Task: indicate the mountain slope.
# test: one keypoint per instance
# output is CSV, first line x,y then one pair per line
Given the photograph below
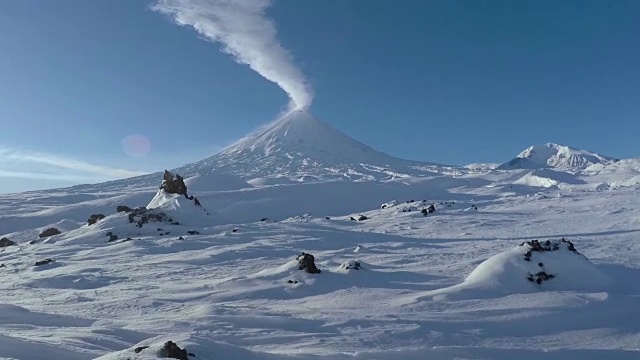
x,y
301,147
555,156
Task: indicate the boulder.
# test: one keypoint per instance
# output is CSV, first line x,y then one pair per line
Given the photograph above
x,y
141,216
4,242
123,208
362,218
307,262
174,184
43,262
49,232
172,351
94,219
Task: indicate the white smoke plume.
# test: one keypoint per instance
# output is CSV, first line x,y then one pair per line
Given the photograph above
x,y
246,33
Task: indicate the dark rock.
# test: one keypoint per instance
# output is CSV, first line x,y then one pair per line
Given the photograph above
x,y
431,208
175,223
352,218
474,207
159,229
2,265
139,348
292,281
141,216
94,219
264,219
112,236
172,350
49,232
43,262
362,218
327,218
174,184
4,242
193,232
123,208
235,230
180,238
196,202
540,264
307,262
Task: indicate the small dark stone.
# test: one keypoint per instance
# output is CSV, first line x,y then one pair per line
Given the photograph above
x,y
43,262
193,232
172,350
140,348
180,238
352,218
94,219
264,219
191,354
159,229
123,208
175,223
4,242
540,264
2,265
235,230
112,236
196,202
49,232
327,218
362,218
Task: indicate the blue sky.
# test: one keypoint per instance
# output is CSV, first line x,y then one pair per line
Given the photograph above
x,y
442,81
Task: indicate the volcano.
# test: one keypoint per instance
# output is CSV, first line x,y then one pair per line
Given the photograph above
x,y
300,147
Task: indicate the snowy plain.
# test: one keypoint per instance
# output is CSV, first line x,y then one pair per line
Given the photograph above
x,y
224,282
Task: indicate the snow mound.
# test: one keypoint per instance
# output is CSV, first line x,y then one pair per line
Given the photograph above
x,y
350,265
216,182
556,156
547,178
531,266
272,181
184,210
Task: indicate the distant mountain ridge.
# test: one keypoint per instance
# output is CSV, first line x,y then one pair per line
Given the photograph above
x,y
556,156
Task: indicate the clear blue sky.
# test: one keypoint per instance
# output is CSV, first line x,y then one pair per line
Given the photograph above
x,y
442,81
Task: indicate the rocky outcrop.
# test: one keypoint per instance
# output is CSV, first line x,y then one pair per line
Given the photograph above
x,y
49,232
307,263
43,262
173,184
172,351
94,219
123,208
4,242
141,216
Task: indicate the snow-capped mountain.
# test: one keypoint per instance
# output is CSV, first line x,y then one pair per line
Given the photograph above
x,y
556,156
299,146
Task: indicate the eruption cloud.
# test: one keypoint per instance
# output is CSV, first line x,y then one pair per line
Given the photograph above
x,y
246,33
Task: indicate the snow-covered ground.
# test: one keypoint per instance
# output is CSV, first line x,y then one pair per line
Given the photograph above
x,y
449,285
219,276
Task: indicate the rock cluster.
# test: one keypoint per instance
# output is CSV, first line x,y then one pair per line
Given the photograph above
x,y
94,218
546,246
123,208
141,216
355,265
49,232
307,262
360,218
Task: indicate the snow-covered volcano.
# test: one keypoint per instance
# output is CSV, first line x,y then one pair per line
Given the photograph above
x,y
556,156
300,146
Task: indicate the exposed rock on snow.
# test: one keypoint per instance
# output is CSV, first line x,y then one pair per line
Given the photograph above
x,y
43,262
49,232
173,184
123,208
307,263
94,219
4,242
555,263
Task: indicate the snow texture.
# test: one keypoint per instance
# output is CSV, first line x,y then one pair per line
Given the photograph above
x,y
222,284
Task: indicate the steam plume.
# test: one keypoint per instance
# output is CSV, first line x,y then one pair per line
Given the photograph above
x,y
245,32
